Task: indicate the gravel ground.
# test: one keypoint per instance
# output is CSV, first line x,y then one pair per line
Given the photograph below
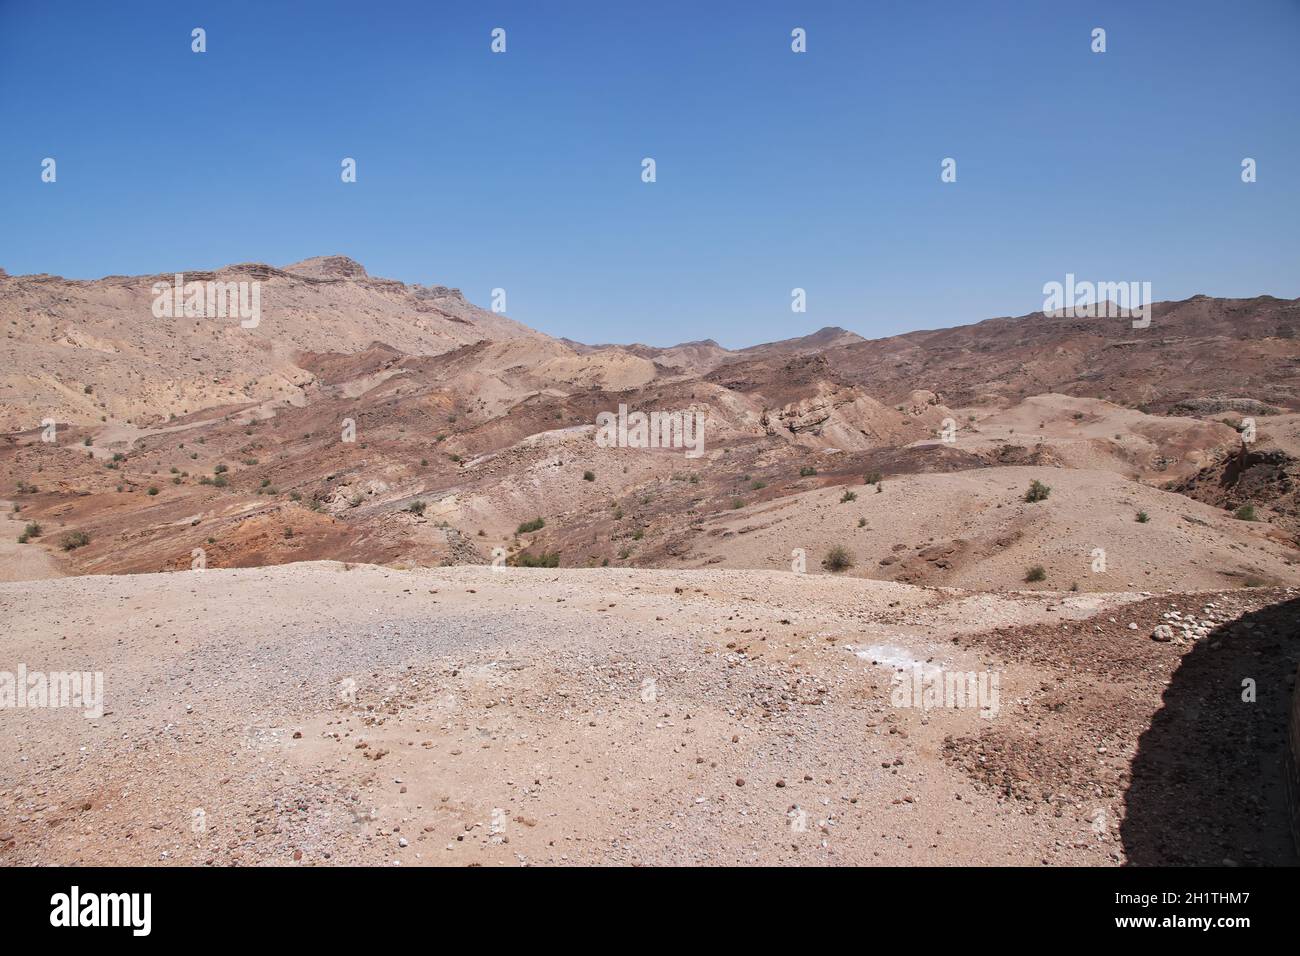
x,y
324,713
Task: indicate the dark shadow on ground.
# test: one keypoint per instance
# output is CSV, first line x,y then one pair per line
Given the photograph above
x,y
1208,778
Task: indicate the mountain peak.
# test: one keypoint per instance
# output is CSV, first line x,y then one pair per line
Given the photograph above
x,y
328,267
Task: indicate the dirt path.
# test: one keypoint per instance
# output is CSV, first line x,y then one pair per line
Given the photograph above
x,y
22,562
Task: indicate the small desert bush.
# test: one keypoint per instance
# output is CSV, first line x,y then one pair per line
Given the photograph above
x,y
1245,513
1037,491
1143,517
1036,573
537,524
872,478
848,496
73,540
416,507
807,471
543,560
33,530
588,476
838,558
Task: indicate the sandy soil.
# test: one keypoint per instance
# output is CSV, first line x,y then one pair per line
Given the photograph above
x,y
325,713
973,529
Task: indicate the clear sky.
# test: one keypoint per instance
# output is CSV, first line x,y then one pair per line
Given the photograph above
x,y
775,170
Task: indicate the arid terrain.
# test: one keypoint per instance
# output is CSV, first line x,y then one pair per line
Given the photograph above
x,y
365,587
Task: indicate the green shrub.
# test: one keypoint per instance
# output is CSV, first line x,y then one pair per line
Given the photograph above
x,y
528,527
73,540
588,476
33,530
807,471
1037,491
1143,517
416,507
848,496
1245,513
1036,573
872,478
543,560
838,558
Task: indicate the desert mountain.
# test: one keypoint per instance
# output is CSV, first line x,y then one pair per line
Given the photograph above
x,y
366,419
89,351
695,358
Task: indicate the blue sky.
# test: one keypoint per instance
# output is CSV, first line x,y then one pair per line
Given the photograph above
x,y
775,170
